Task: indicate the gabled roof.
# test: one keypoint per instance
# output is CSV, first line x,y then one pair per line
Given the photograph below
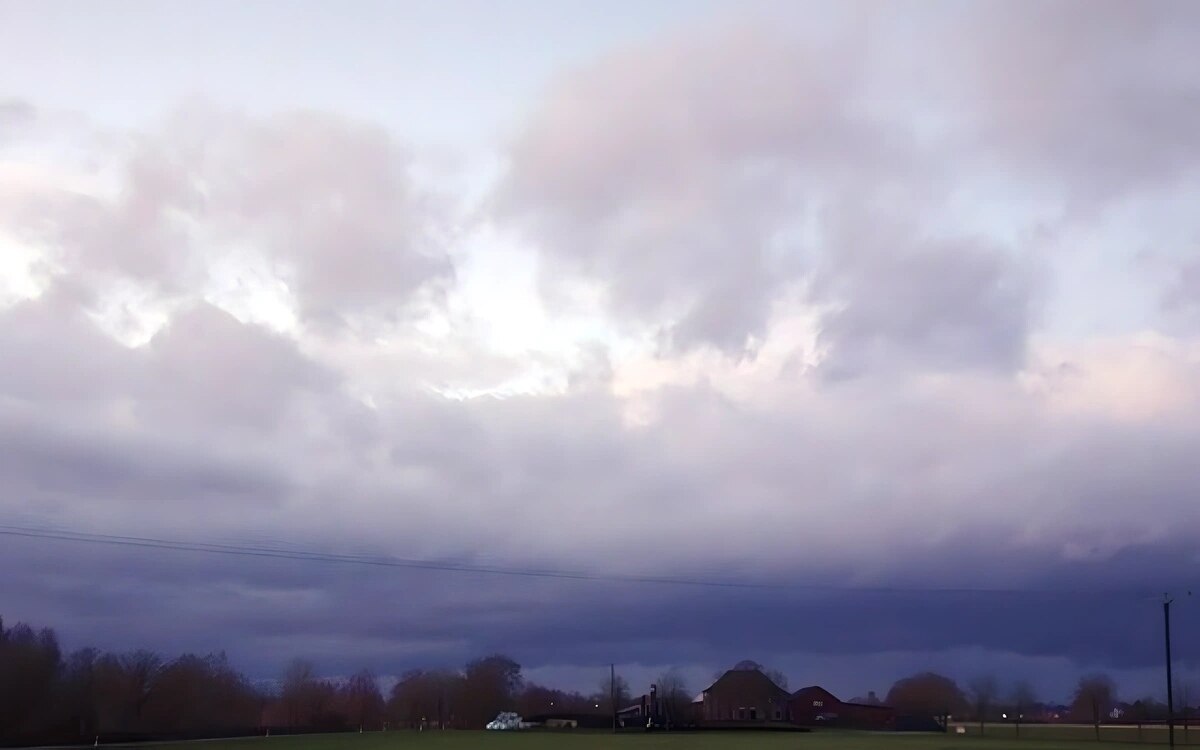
x,y
742,680
816,690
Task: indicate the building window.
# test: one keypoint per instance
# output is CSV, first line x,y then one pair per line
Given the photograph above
x,y
778,715
742,714
818,704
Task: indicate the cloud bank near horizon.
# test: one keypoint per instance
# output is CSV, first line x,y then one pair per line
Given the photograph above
x,y
892,299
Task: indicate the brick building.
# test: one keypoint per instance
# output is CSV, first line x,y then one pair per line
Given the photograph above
x,y
742,697
816,706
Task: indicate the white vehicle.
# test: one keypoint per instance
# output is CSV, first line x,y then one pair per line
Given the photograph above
x,y
505,720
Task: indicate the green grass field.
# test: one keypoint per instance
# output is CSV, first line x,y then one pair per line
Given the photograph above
x,y
995,738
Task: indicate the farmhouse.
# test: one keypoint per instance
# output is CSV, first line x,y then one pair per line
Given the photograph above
x,y
742,697
747,698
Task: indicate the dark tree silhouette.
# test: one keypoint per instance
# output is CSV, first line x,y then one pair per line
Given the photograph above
x,y
983,694
928,694
1022,699
362,701
1094,697
673,697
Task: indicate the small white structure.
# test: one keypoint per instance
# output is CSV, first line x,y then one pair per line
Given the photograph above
x,y
504,721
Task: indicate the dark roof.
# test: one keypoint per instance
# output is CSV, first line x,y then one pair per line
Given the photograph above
x,y
811,689
816,689
742,680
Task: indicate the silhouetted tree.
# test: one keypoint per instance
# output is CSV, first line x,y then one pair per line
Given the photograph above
x,y
1022,699
422,698
306,700
198,693
613,694
490,685
673,697
44,698
79,693
29,667
983,694
1094,697
363,701
140,670
927,693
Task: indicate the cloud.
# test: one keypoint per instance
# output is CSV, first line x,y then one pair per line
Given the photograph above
x,y
695,177
328,205
15,116
819,355
939,305
219,430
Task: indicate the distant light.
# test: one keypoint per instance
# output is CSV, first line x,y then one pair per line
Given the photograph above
x,y
1003,716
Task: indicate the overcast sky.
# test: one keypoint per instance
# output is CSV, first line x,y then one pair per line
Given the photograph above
x,y
861,298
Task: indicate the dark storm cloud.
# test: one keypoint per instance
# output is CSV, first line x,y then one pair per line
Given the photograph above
x,y
394,620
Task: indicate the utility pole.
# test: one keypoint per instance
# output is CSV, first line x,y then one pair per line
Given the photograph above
x,y
1170,688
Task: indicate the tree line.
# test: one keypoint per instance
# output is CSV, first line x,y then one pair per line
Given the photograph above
x,y
1094,701
47,696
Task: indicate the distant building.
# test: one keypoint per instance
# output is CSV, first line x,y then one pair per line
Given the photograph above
x,y
742,697
816,706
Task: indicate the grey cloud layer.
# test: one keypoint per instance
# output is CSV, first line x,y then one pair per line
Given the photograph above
x,y
697,179
161,444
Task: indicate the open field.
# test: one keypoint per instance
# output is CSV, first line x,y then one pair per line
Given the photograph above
x,y
996,738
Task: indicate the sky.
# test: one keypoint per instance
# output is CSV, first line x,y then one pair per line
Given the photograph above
x,y
886,314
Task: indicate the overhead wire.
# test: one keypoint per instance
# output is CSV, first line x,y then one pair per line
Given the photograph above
x,y
387,561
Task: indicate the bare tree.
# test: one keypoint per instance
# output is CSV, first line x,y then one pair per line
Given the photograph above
x,y
1094,697
777,677
425,699
673,697
80,689
363,701
1184,693
983,695
613,694
140,669
1023,697
297,697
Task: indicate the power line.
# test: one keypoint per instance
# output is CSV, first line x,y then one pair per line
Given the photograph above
x,y
261,551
